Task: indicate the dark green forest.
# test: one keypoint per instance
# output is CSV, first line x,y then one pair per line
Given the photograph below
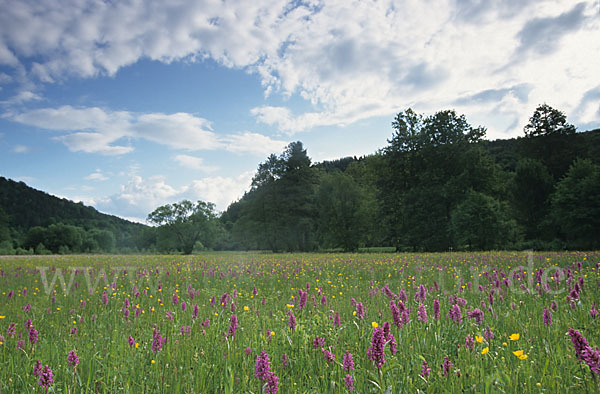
x,y
437,185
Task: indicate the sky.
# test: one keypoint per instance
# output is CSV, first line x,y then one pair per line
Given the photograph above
x,y
128,105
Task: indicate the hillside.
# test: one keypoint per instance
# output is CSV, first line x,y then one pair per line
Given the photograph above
x,y
23,208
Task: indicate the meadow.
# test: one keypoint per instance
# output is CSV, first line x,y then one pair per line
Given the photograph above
x,y
301,323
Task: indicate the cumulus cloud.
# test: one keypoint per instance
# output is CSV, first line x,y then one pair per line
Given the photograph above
x,y
139,196
350,60
96,176
96,130
21,149
542,35
194,163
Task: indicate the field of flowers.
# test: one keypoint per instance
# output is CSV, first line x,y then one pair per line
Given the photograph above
x,y
298,323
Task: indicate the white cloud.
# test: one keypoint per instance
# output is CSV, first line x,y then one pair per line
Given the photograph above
x,y
96,176
194,163
254,143
21,149
140,196
350,59
95,130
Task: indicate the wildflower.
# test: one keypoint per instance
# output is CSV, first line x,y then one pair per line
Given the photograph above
x,y
104,298
302,298
374,324
514,337
72,359
386,290
292,321
520,355
233,325
131,341
336,320
593,312
447,366
547,317
425,370
46,378
436,309
348,361
254,291
478,338
33,335
20,344
375,353
27,308
360,310
158,341
323,300
284,360
183,306
349,383
246,309
455,314
263,366
272,384
37,368
318,342
581,345
477,315
12,329
195,312
485,350
488,334
329,357
73,331
422,313
421,295
469,343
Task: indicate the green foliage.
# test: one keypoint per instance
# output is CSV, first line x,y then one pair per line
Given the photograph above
x,y
576,207
343,212
548,121
183,224
479,223
530,191
278,213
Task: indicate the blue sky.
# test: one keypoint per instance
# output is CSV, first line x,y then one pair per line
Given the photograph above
x,y
130,105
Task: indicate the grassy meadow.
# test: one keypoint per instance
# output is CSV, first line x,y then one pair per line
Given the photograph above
x,y
478,322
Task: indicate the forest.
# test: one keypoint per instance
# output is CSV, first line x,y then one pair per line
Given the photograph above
x,y
438,185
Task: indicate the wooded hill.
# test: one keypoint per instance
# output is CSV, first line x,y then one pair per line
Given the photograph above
x,y
438,185
32,219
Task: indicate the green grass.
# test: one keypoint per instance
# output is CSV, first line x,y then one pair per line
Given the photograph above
x,y
209,361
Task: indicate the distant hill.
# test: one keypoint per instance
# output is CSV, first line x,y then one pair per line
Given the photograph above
x,y
23,207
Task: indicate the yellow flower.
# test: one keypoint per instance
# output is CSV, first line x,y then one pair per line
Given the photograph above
x,y
514,337
485,350
2,317
246,308
272,333
354,313
290,305
523,357
137,345
504,344
216,314
478,339
374,324
153,361
518,353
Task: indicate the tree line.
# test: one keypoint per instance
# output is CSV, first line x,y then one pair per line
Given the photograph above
x,y
437,185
